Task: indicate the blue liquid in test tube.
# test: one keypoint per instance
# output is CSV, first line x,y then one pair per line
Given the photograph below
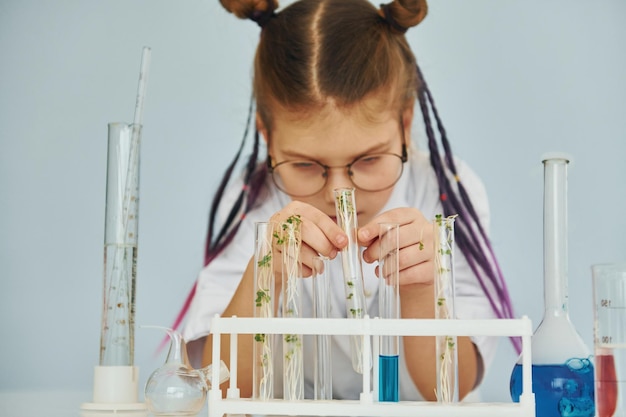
x,y
388,308
388,378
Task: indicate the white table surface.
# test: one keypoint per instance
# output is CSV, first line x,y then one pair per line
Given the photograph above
x,y
55,404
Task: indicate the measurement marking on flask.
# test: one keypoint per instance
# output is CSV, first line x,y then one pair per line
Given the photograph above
x,y
607,303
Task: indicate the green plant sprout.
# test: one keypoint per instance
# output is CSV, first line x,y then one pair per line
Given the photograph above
x,y
356,312
290,240
345,209
444,307
264,285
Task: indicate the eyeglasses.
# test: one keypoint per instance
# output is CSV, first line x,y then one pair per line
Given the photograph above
x,y
371,172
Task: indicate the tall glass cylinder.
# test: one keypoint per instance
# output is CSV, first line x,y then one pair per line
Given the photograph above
x,y
263,365
323,377
120,246
290,239
345,208
562,370
446,346
388,308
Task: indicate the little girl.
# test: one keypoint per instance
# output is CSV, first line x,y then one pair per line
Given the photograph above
x,y
335,86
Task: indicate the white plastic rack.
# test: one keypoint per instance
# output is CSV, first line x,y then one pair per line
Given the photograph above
x,y
367,405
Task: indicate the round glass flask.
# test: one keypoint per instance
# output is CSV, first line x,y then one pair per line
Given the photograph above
x,y
563,375
176,389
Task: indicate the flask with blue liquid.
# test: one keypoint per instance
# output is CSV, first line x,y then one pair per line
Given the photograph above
x,y
563,374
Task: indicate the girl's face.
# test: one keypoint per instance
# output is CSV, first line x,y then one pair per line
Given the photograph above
x,y
336,138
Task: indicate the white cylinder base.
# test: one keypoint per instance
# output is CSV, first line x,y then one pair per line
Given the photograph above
x,y
115,388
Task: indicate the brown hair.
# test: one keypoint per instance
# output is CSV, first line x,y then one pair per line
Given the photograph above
x,y
319,52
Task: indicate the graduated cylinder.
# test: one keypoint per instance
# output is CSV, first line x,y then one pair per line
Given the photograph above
x,y
120,246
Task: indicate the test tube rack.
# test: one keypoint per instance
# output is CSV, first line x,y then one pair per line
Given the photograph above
x,y
367,405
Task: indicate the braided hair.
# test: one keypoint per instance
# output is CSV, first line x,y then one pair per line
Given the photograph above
x,y
305,57
470,235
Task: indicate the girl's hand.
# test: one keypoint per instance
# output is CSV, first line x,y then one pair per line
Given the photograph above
x,y
319,232
416,255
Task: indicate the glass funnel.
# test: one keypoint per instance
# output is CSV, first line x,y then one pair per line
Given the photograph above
x,y
561,367
176,388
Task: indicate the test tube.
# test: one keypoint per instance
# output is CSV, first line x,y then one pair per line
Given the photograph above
x,y
290,239
323,380
345,207
446,346
263,365
388,308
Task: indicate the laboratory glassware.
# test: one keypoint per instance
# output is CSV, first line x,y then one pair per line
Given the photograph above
x,y
562,369
263,364
447,390
388,308
609,302
345,208
323,377
176,389
120,247
116,377
289,238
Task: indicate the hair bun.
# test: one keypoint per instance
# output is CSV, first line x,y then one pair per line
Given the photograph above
x,y
403,14
259,11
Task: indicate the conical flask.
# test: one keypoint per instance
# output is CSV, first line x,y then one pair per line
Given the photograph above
x,y
562,371
176,388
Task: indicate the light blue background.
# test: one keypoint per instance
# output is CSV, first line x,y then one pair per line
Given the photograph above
x,y
512,79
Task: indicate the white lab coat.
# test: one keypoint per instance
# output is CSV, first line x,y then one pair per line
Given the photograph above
x,y
417,188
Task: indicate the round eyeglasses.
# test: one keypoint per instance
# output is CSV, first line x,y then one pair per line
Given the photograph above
x,y
371,172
